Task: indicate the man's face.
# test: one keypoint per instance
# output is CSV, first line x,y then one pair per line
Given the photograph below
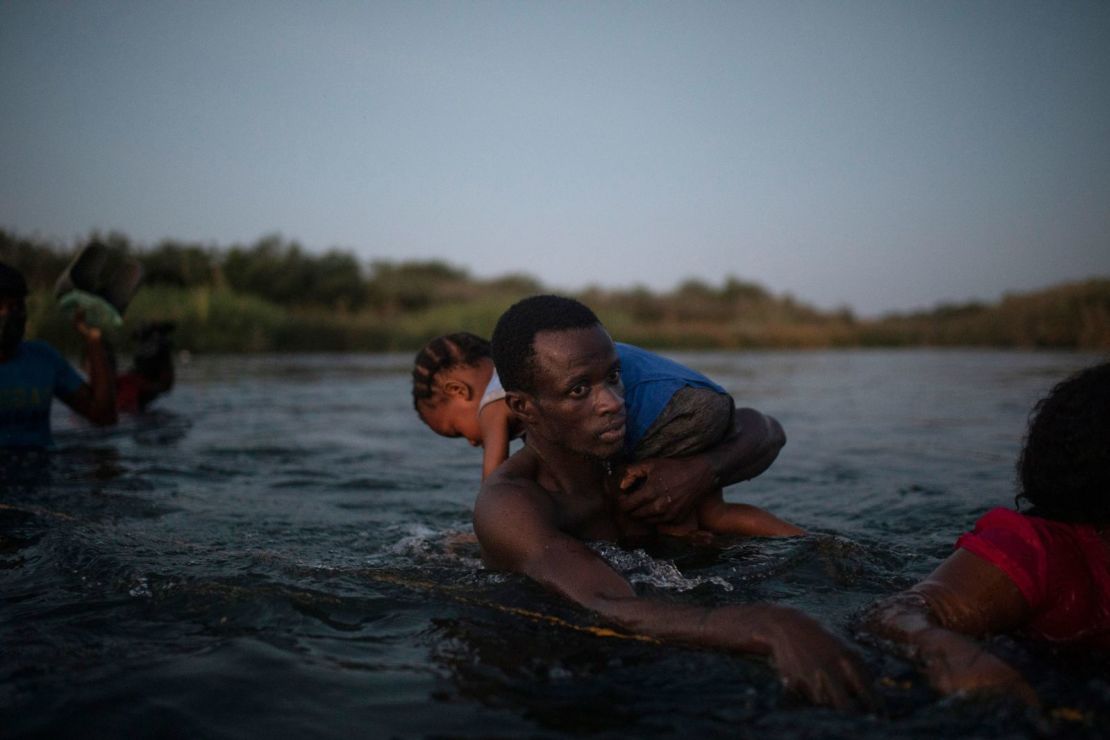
x,y
579,399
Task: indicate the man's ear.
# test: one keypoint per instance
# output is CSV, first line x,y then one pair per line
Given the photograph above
x,y
453,388
521,406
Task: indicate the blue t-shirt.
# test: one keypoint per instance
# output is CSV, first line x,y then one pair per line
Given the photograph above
x,y
649,383
29,380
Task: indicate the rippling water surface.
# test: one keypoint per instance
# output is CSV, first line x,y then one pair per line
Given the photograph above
x,y
278,550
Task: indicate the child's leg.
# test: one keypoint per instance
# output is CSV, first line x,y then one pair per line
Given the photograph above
x,y
722,518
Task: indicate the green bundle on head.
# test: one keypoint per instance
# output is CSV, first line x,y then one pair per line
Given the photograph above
x,y
101,281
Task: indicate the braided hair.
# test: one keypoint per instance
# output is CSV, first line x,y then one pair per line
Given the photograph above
x,y
443,353
1064,467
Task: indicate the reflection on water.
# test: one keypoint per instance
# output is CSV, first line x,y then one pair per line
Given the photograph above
x,y
281,548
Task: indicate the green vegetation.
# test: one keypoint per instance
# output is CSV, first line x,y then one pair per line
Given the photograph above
x,y
273,296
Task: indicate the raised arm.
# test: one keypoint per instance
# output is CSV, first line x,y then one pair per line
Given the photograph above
x,y
516,531
668,489
493,420
95,400
937,620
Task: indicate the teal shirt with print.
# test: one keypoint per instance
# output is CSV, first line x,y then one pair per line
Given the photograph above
x,y
29,381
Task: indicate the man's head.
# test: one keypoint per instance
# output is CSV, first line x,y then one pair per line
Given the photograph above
x,y
514,336
561,375
13,309
1064,467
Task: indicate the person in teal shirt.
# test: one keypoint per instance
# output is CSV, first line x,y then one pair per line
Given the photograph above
x,y
32,374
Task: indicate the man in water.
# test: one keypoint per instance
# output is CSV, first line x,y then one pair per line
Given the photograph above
x,y
561,374
32,373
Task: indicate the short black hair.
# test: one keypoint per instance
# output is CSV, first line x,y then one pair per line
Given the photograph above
x,y
12,284
1064,466
514,336
443,353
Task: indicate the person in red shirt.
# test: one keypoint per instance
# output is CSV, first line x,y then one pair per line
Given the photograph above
x,y
1044,572
152,373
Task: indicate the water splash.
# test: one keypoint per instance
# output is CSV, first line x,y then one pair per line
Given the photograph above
x,y
640,568
425,545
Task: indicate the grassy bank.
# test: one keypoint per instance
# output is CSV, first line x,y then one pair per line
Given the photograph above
x,y
275,297
219,320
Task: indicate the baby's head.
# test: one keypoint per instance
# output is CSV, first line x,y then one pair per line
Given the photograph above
x,y
1064,468
449,376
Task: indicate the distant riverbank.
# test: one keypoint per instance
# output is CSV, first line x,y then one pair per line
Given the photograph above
x,y
275,297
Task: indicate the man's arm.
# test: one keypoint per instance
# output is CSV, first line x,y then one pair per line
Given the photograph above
x,y
95,400
936,621
515,527
669,488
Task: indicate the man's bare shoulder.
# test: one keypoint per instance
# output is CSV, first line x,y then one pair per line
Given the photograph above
x,y
514,481
513,514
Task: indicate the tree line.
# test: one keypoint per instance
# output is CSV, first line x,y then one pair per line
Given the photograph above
x,y
274,295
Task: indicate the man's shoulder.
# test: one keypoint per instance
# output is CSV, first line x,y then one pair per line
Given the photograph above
x,y
513,485
512,514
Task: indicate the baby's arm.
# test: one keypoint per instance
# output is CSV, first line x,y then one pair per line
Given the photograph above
x,y
721,518
494,422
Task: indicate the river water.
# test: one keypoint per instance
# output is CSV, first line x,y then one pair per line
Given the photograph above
x,y
278,550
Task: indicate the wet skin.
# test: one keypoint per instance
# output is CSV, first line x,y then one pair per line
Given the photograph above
x,y
533,513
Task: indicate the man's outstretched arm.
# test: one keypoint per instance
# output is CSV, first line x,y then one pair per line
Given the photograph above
x,y
667,489
516,531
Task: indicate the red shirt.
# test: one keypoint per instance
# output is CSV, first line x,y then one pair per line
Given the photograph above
x,y
1062,570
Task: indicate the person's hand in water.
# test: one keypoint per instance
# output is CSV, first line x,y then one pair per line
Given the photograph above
x,y
956,664
814,663
937,622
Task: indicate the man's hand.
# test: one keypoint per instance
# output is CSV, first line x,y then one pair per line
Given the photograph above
x,y
814,663
663,490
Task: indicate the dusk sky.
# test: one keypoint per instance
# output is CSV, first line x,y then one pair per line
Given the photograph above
x,y
879,155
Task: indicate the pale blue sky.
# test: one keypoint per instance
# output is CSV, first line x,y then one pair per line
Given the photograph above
x,y
881,155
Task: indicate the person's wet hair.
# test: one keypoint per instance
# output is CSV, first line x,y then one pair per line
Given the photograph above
x,y
1064,467
514,336
443,353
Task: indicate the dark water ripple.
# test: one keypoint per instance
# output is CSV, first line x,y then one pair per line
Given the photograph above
x,y
282,550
